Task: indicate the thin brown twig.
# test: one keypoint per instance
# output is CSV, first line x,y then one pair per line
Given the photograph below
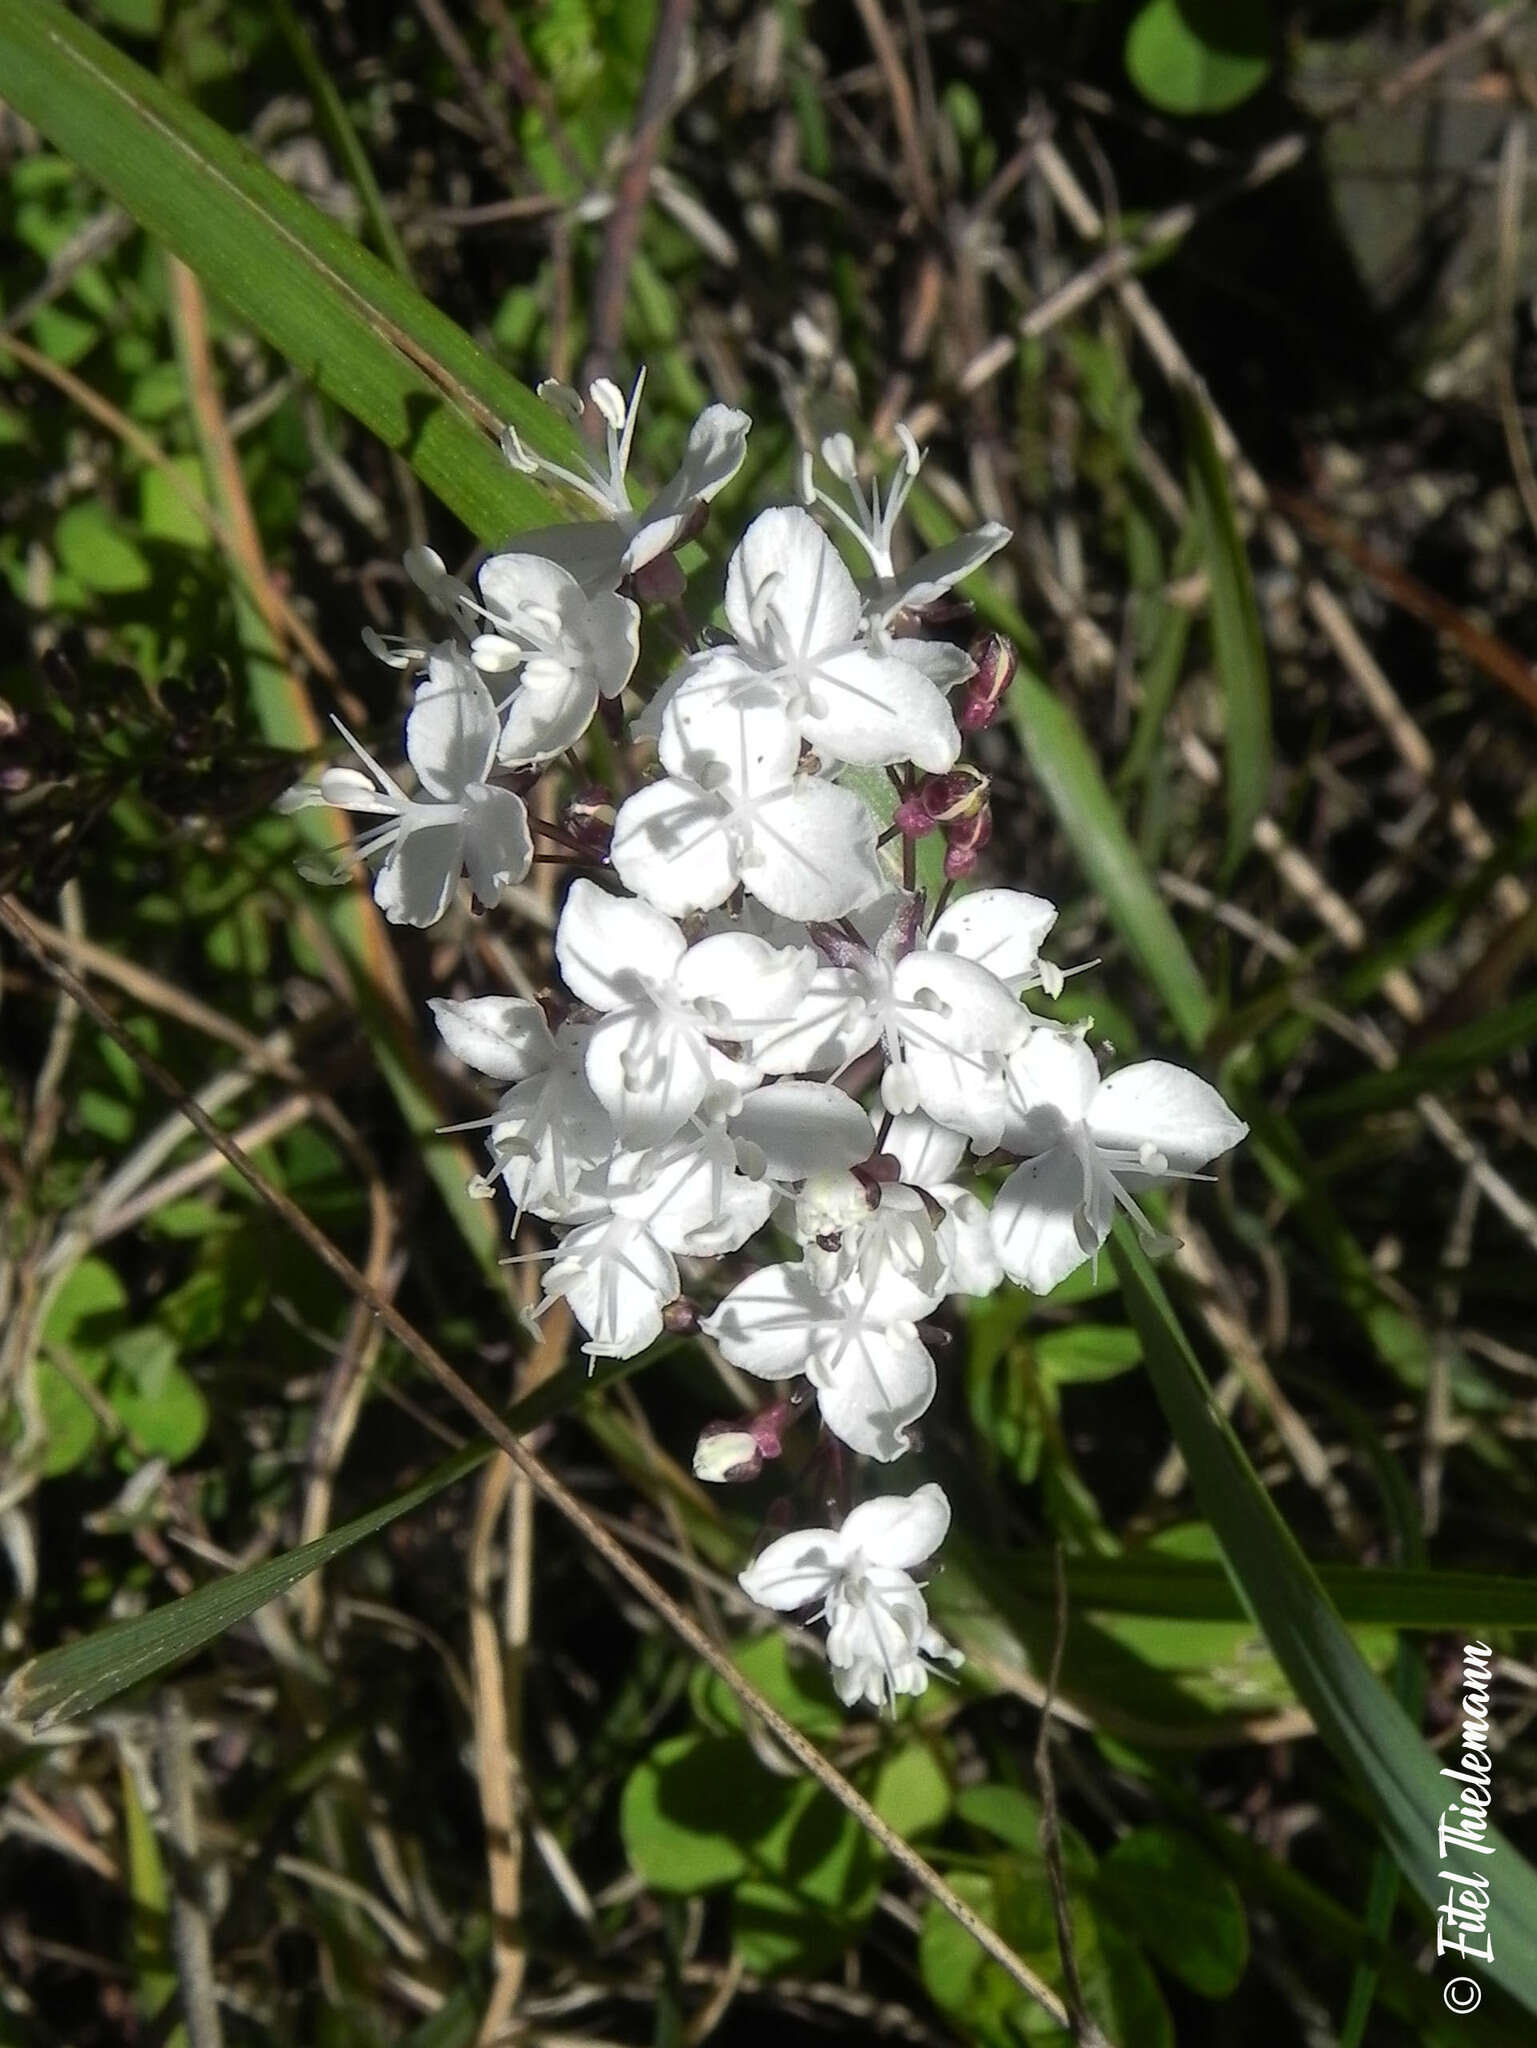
x,y
1083,2027
621,231
14,919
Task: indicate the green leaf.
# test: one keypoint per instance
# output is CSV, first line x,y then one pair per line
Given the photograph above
x,y
93,549
1238,642
64,1683
1161,1887
1368,1733
822,1881
1199,56
69,1422
344,320
910,1789
167,1421
1087,1351
694,1809
786,1675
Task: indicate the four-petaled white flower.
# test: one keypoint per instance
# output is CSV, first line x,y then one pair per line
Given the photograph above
x,y
880,1644
652,1060
599,552
567,647
738,811
457,823
795,613
1090,1142
857,1343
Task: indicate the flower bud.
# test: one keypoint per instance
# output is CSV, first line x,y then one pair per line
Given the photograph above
x,y
948,799
964,842
680,1318
997,661
726,1455
588,821
911,817
659,581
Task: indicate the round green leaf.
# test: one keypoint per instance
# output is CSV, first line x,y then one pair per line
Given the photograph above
x,y
1164,1888
788,1678
690,1814
97,554
69,1422
815,1881
910,1791
1199,56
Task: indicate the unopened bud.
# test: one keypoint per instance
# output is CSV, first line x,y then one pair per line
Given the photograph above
x,y
588,821
911,818
964,841
680,1318
659,581
997,661
726,1455
952,797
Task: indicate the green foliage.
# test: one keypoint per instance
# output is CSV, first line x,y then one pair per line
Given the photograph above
x,y
1200,56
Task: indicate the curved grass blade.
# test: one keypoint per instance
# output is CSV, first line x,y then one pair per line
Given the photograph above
x,y
342,317
1237,641
62,1684
1364,1727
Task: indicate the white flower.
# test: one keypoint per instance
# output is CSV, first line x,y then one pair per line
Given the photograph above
x,y
1091,1141
801,845
599,552
549,1127
930,1157
458,822
878,1633
568,648
616,1266
650,1059
794,1129
1000,932
795,613
945,1020
857,1344
873,524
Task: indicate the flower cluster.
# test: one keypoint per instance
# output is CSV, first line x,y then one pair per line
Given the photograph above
x,y
761,1025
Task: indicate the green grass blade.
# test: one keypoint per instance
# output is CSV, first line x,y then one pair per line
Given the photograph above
x,y
1442,1064
1237,641
341,316
1058,751
1182,1589
1366,1730
62,1684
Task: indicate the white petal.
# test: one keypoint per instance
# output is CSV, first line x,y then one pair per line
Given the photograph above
x,y
941,661
672,846
1039,1225
898,1532
811,851
1001,929
926,1150
765,1324
1168,1107
943,567
743,983
949,1002
728,717
874,709
649,1075
610,635
834,1021
795,1570
542,720
1051,1080
804,1127
417,879
883,1380
785,563
497,847
510,583
506,1037
452,731
966,1243
617,1281
963,1091
717,443
604,942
